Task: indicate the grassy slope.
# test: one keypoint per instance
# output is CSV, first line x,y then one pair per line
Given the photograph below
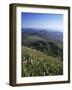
x,y
36,63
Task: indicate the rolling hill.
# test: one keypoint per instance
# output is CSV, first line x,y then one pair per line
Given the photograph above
x,y
42,52
47,41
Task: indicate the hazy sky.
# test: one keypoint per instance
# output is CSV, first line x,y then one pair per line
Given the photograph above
x,y
42,21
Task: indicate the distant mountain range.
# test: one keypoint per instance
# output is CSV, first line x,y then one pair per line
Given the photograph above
x,y
47,34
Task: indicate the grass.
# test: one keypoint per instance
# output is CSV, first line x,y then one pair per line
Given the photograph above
x,y
36,63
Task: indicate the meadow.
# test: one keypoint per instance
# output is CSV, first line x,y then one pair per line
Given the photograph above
x,y
37,63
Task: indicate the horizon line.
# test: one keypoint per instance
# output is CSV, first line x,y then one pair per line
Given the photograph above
x,y
44,29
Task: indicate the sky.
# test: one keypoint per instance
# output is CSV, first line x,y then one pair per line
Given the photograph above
x,y
42,21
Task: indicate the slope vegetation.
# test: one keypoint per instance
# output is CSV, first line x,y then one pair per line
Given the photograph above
x,y
37,63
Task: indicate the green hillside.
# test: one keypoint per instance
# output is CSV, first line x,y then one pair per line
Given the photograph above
x,y
36,63
43,43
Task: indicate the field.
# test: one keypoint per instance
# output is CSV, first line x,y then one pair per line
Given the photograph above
x,y
36,63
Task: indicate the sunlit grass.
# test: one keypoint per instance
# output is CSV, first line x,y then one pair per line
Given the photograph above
x,y
36,63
